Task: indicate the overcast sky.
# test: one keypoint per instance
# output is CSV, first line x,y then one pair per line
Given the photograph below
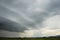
x,y
29,18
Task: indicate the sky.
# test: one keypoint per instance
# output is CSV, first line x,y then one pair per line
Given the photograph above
x,y
29,18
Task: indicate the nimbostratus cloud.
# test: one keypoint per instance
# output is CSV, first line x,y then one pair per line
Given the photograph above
x,y
29,16
9,25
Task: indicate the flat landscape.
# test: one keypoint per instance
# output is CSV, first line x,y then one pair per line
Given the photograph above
x,y
44,38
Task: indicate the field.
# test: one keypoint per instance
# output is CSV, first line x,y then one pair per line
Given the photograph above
x,y
44,38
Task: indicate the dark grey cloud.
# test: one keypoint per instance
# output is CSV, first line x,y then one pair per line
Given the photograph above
x,y
54,5
14,15
11,26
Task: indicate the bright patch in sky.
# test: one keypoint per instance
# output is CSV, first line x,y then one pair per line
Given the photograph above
x,y
52,26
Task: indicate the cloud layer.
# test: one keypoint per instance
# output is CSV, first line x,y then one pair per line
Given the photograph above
x,y
29,17
9,25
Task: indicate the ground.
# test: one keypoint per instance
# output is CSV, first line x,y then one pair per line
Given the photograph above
x,y
44,38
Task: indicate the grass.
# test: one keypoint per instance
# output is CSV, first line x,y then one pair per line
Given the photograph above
x,y
44,38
